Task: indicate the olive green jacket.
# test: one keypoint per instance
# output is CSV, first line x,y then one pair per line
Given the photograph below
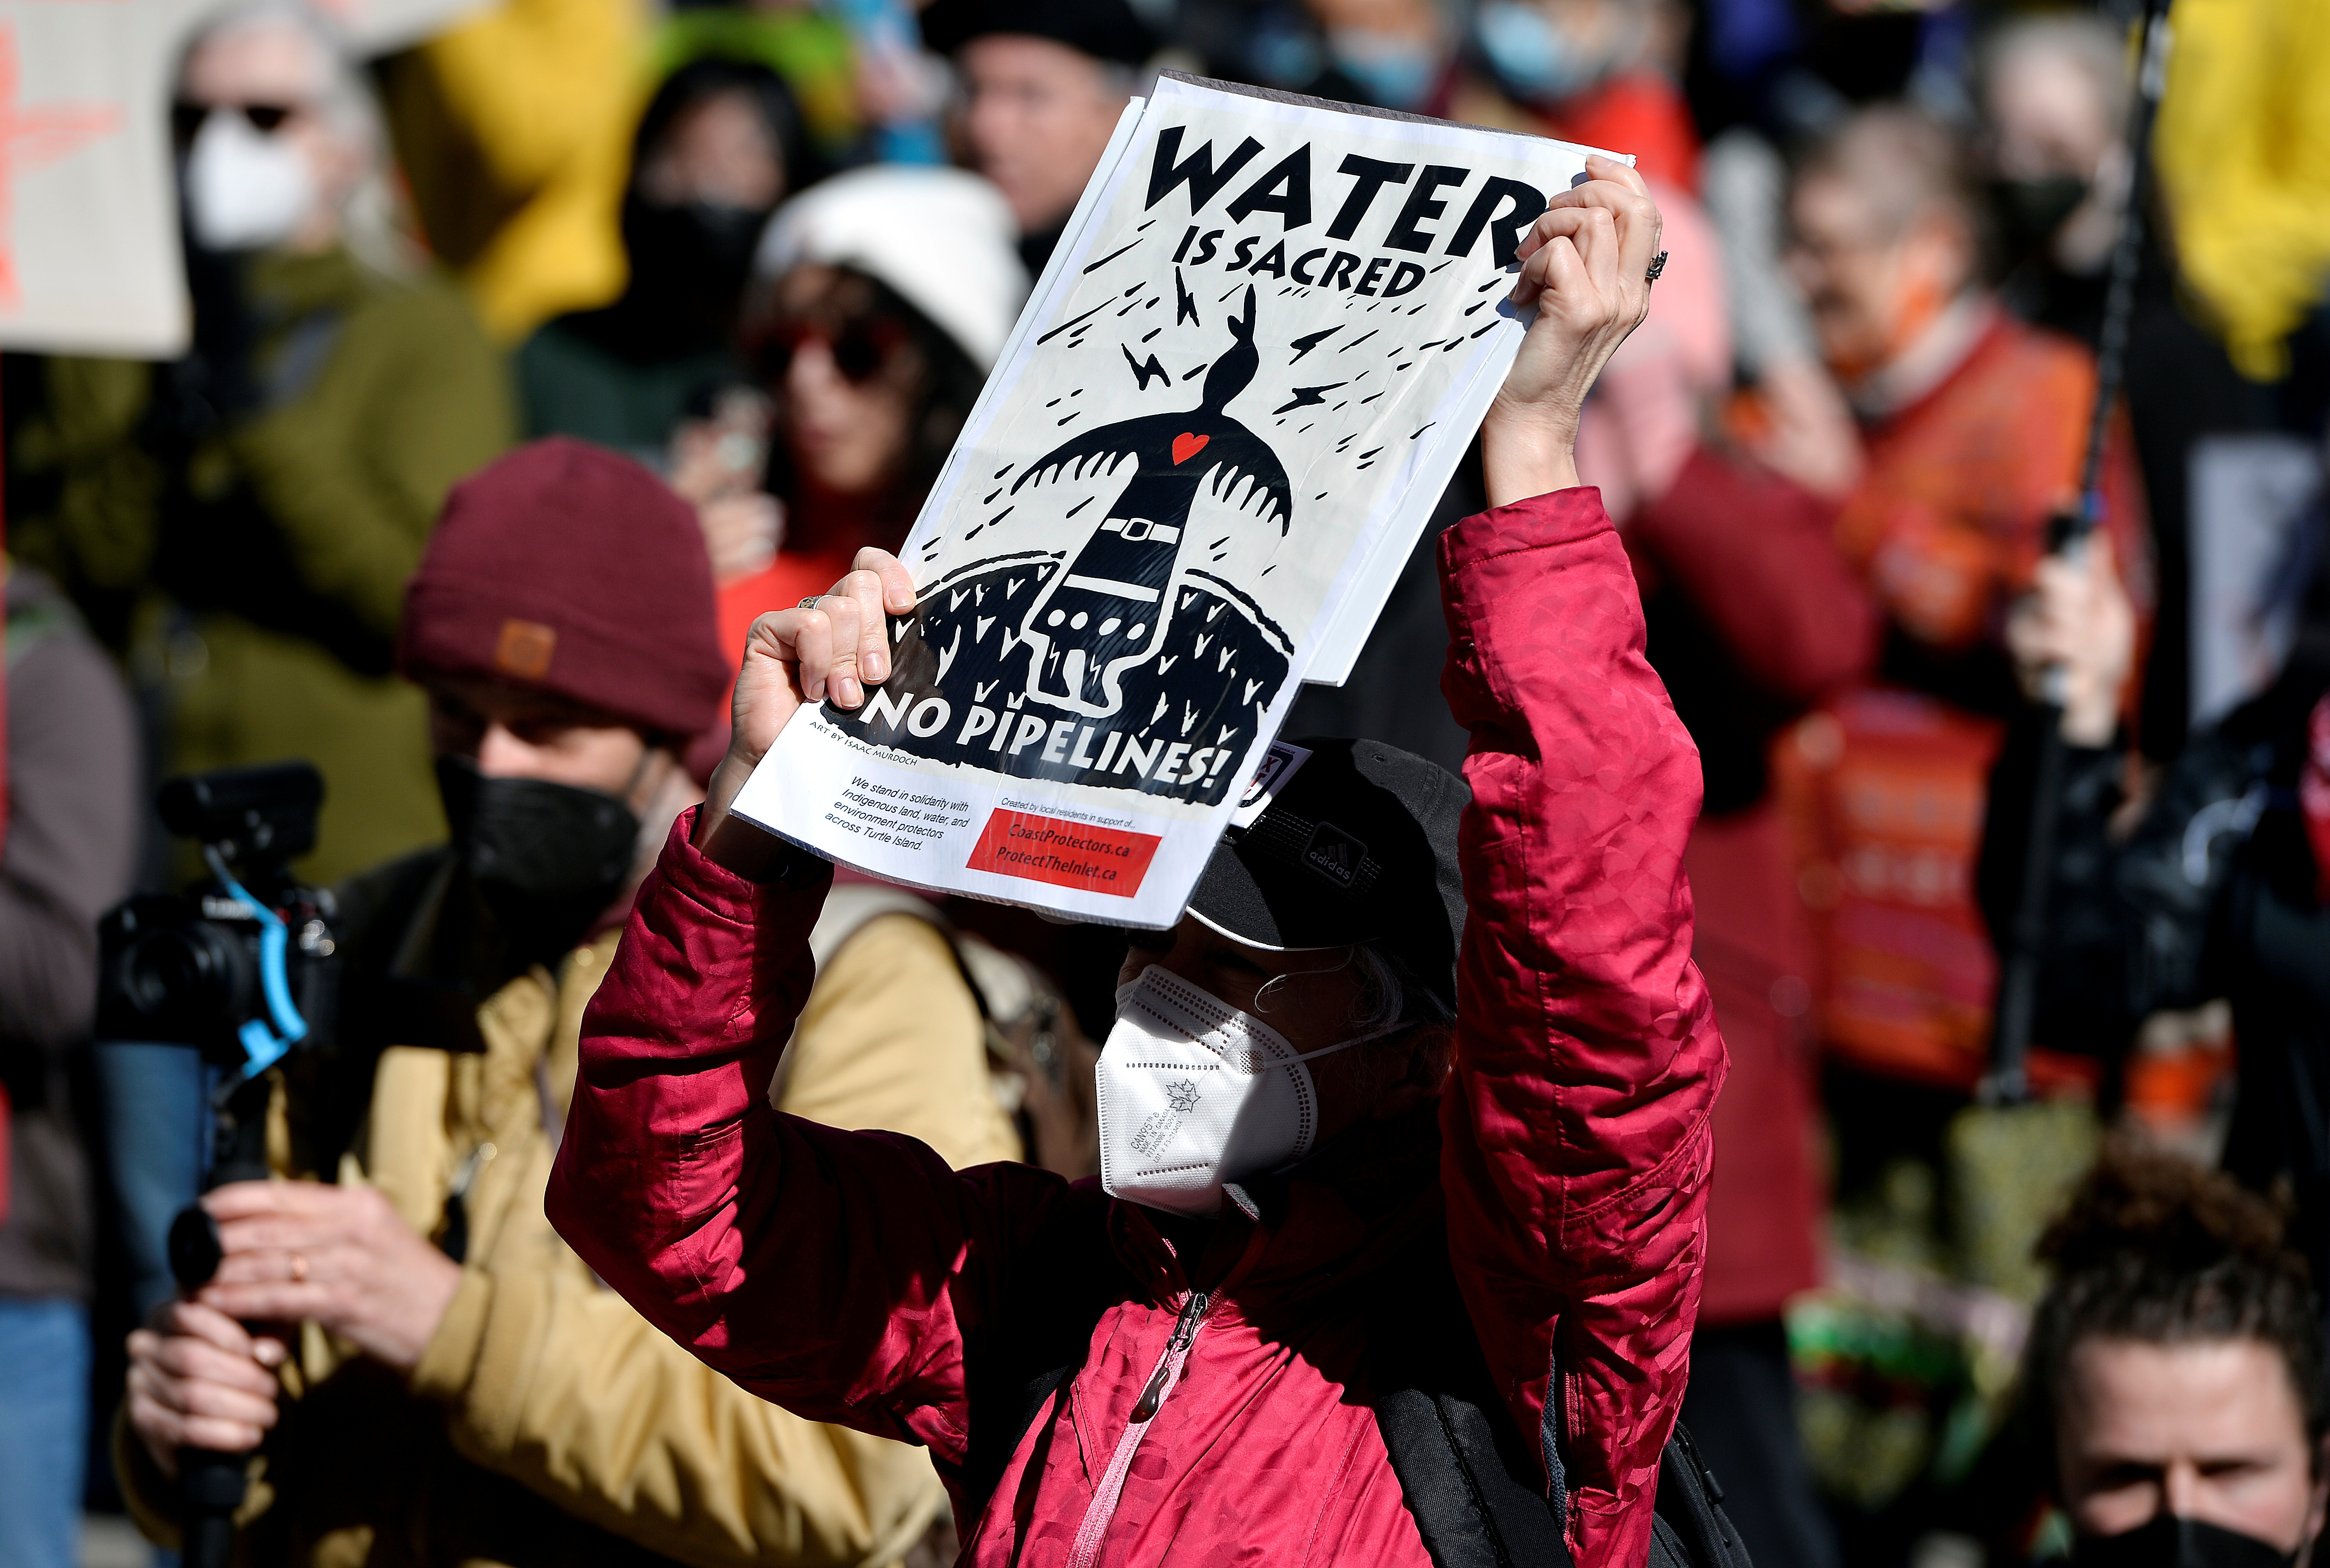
x,y
252,567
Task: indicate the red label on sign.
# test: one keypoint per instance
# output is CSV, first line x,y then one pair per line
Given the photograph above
x,y
1066,853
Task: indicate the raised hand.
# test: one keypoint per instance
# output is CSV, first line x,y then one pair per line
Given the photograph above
x,y
1585,266
831,649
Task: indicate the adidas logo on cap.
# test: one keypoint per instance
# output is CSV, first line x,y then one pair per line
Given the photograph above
x,y
1334,855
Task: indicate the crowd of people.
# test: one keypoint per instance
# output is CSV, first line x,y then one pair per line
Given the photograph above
x,y
560,388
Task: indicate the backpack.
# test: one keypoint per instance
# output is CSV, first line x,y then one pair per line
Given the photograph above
x,y
1039,1064
1466,1473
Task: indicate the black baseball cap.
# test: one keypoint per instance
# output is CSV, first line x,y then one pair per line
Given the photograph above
x,y
1105,29
1358,845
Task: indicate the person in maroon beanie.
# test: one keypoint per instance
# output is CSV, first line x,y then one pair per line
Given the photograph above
x,y
475,1395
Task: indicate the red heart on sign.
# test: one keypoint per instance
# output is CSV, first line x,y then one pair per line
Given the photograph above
x,y
1186,445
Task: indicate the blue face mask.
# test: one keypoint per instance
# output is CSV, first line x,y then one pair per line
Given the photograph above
x,y
1533,59
1393,72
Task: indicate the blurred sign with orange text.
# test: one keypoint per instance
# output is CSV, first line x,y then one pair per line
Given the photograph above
x,y
89,259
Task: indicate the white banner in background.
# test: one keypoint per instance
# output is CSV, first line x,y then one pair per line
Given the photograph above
x,y
88,227
1237,393
2253,499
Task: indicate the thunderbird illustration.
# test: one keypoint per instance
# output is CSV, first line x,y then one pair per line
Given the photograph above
x,y
1108,612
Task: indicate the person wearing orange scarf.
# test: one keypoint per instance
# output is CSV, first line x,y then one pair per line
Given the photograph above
x,y
1972,429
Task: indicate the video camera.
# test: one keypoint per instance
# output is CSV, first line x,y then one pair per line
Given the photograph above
x,y
242,965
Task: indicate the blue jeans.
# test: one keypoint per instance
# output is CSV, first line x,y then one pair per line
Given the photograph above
x,y
155,1104
44,1430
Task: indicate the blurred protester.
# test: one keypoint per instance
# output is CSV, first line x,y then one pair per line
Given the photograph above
x,y
872,345
2173,1373
1394,54
807,45
2218,885
1974,428
1972,431
246,518
1575,1082
2243,154
464,1386
720,145
1598,73
2054,93
1975,424
510,126
1044,84
72,840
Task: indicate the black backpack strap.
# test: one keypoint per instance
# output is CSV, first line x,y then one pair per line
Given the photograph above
x,y
1471,1505
1468,1476
1465,1469
1690,1508
994,1441
1019,1363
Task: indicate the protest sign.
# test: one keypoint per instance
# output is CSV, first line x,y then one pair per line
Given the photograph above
x,y
89,258
1258,354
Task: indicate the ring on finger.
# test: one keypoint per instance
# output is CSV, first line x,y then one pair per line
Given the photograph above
x,y
1658,265
811,602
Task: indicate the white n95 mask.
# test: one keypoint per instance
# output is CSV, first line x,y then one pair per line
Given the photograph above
x,y
246,189
1194,1092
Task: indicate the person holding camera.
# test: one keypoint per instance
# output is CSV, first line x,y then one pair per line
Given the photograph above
x,y
1417,1280
427,1374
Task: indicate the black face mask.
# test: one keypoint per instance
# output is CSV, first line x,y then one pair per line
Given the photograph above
x,y
546,859
2171,1542
690,261
2030,212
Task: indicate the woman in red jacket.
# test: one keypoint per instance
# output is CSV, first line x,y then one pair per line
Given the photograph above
x,y
1212,1364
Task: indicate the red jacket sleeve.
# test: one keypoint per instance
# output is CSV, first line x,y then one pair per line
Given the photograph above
x,y
839,1274
1587,1060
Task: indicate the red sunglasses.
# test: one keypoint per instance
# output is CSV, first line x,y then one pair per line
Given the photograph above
x,y
859,349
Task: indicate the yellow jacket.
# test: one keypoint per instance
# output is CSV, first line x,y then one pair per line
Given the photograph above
x,y
547,1423
2243,154
514,128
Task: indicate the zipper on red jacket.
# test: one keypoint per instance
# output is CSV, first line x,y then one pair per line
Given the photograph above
x,y
1086,1553
1185,1329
